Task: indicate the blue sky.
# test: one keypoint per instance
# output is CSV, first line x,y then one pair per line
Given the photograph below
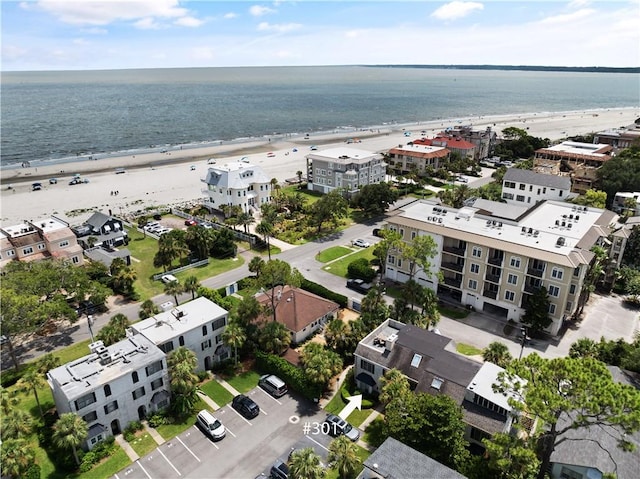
x,y
88,34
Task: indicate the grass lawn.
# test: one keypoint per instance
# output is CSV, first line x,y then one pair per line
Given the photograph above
x,y
244,382
357,417
421,194
453,313
169,431
467,349
330,254
75,351
339,267
215,391
373,434
143,444
362,453
336,404
118,461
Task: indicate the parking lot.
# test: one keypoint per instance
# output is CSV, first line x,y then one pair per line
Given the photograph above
x,y
249,448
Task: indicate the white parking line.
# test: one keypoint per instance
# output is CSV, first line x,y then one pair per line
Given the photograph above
x,y
116,476
263,412
309,437
165,458
230,431
243,418
190,451
265,392
143,469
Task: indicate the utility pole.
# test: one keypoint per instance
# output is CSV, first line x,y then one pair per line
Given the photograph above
x,y
523,340
90,323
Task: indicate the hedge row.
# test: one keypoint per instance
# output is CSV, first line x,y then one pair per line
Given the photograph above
x,y
323,292
293,376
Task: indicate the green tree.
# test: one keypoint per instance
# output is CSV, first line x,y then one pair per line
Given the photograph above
x,y
299,175
510,457
319,363
182,363
255,265
374,199
31,381
245,220
265,228
235,337
419,254
16,424
343,457
329,208
274,276
174,288
223,245
631,256
374,309
274,338
147,309
391,240
620,173
497,353
536,314
569,394
69,432
584,348
8,399
393,385
594,273
191,285
115,330
305,464
593,198
17,456
47,362
335,334
199,240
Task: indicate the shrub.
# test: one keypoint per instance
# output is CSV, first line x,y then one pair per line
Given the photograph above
x,y
360,269
88,461
226,367
202,375
33,472
323,292
160,419
290,374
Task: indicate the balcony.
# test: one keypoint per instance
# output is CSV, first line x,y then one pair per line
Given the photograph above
x,y
496,260
487,293
494,278
453,250
453,282
452,267
531,288
535,272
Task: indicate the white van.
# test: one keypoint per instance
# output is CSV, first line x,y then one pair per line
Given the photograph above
x,y
211,426
273,385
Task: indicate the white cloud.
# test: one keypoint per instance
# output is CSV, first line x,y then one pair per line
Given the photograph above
x,y
94,31
230,15
455,10
279,28
188,21
13,52
260,10
578,3
80,41
147,24
568,17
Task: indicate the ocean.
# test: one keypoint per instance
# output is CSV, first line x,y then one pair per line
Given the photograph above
x,y
51,116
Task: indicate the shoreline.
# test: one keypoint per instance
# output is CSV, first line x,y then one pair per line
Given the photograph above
x,y
158,179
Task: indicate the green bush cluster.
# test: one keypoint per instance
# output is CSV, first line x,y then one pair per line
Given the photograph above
x,y
293,376
348,389
202,375
129,432
160,419
323,292
360,268
103,449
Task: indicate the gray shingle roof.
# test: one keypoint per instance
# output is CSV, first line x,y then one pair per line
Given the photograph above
x,y
541,179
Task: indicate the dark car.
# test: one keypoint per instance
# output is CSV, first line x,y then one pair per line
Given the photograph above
x,y
279,470
359,285
36,186
245,406
376,232
190,222
339,427
87,307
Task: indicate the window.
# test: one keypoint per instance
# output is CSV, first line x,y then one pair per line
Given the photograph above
x,y
572,289
218,338
520,198
515,263
399,263
413,235
134,376
392,259
509,295
402,232
576,271
41,247
96,439
218,323
181,340
552,308
157,383
569,306
138,393
92,416
166,347
75,260
478,434
11,253
85,400
512,279
507,196
112,406
367,366
107,390
557,273
475,268
554,291
509,184
569,474
28,250
477,252
415,362
62,244
204,329
205,344
153,368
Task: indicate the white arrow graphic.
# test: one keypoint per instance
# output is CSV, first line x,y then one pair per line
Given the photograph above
x,y
354,402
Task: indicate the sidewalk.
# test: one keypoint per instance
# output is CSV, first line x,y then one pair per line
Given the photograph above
x,y
226,385
210,402
126,447
153,433
335,388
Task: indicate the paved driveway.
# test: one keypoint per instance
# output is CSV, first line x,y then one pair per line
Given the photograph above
x,y
249,448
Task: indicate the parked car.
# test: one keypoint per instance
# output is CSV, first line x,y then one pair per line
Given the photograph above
x,y
53,181
273,385
244,159
192,167
87,307
361,243
168,278
462,179
211,425
279,470
359,285
120,171
190,222
245,406
36,186
313,148
271,154
376,232
339,427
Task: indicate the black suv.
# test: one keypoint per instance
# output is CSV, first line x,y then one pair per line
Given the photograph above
x,y
245,406
359,285
279,470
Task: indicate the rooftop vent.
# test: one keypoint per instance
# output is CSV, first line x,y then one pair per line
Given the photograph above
x,y
93,347
536,233
577,217
105,358
557,222
560,241
488,222
524,229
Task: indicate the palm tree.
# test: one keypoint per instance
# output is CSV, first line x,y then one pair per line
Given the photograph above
x,y
16,424
274,338
255,265
17,456
47,362
32,380
191,285
265,228
69,432
299,175
148,309
174,288
393,384
199,240
245,219
123,280
235,337
8,399
584,348
305,464
335,333
497,353
343,456
182,362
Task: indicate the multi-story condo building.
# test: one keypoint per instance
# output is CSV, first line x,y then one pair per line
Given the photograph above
x,y
237,184
493,256
528,187
619,138
627,201
415,157
431,366
38,240
451,142
112,386
197,325
347,169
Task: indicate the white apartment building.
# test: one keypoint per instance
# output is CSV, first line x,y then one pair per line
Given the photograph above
x,y
526,187
493,256
112,386
627,201
237,184
197,325
348,169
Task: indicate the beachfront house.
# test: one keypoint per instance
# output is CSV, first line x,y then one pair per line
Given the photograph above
x,y
348,169
430,363
452,142
493,256
528,187
49,238
105,230
197,325
416,157
112,386
619,138
236,184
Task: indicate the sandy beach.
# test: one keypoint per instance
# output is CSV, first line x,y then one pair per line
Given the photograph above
x,y
156,179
